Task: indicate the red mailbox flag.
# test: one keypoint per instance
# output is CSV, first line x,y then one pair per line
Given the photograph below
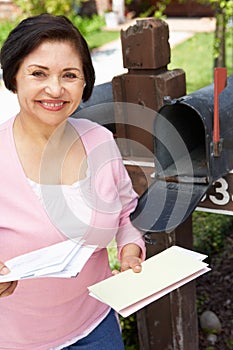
x,y
220,81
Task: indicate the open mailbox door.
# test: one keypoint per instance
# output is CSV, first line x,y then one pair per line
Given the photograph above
x,y
193,142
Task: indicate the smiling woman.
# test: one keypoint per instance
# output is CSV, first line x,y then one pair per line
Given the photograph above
x,y
30,35
56,84
61,178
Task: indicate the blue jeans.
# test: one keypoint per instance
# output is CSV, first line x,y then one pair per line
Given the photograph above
x,y
106,336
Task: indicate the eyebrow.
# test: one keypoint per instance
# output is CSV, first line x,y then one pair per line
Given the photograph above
x,y
46,68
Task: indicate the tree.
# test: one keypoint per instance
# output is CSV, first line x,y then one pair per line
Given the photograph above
x,y
56,7
224,14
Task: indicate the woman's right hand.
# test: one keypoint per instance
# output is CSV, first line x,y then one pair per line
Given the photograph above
x,y
6,288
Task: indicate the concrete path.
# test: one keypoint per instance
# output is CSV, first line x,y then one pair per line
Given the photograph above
x,y
107,60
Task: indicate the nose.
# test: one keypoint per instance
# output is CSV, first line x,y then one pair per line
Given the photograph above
x,y
54,87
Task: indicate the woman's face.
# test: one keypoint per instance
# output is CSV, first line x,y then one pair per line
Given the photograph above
x,y
50,83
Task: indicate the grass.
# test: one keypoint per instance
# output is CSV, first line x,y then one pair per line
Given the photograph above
x,y
100,38
93,30
195,57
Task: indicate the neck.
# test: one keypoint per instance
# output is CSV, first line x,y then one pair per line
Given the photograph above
x,y
37,132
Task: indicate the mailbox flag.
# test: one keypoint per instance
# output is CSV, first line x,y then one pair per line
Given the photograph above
x,y
220,78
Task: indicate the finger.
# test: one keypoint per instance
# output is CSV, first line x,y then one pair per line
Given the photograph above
x,y
115,272
3,287
125,266
9,289
137,268
3,269
134,264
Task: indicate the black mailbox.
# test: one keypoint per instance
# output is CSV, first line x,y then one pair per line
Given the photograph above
x,y
193,148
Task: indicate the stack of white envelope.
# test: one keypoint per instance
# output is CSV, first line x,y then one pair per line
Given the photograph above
x,y
128,291
64,259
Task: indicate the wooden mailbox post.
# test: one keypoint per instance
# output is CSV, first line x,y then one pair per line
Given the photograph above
x,y
170,323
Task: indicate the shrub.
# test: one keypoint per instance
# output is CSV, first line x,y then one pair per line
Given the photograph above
x,y
88,25
130,332
5,28
209,231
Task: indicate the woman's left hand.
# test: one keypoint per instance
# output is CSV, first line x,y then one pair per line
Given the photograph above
x,y
131,262
130,258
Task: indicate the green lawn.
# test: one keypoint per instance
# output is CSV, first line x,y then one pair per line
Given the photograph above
x,y
195,57
100,38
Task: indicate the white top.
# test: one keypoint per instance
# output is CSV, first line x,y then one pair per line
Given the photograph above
x,y
73,200
68,206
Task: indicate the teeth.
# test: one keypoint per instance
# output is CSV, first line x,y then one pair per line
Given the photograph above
x,y
50,104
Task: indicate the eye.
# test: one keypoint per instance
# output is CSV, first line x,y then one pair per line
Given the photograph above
x,y
72,76
39,74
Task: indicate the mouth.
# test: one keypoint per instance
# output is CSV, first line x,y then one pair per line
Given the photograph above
x,y
53,105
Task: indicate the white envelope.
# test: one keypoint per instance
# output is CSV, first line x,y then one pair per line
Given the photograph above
x,y
64,259
128,291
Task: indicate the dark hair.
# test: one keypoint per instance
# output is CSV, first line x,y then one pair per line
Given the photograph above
x,y
30,33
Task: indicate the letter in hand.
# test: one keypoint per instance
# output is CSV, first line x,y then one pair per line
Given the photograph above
x,y
6,288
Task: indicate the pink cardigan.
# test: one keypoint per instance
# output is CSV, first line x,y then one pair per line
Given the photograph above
x,y
44,313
